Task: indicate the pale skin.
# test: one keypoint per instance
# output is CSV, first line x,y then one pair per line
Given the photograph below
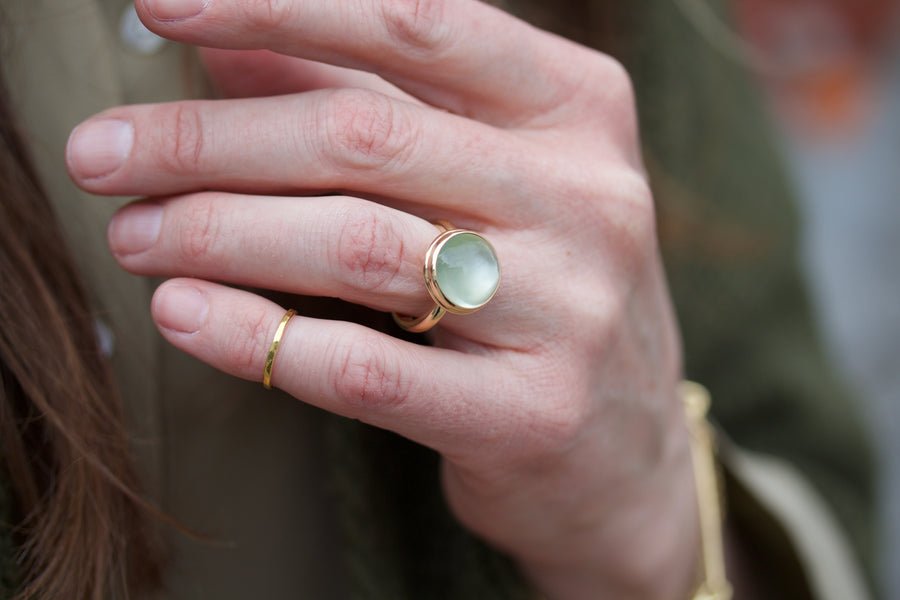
x,y
555,406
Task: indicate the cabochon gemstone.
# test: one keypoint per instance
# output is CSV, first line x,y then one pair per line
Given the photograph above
x,y
467,270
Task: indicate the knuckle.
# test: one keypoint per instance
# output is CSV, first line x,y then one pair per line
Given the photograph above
x,y
593,190
370,253
626,217
364,132
637,218
618,91
616,81
181,143
244,351
199,229
364,379
415,24
632,187
266,15
623,224
608,84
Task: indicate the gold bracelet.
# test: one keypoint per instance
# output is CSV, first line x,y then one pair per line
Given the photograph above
x,y
713,582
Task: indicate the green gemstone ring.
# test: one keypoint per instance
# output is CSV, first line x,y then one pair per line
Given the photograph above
x,y
462,274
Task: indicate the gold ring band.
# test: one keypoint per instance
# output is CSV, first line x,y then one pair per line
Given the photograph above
x,y
273,348
422,323
462,274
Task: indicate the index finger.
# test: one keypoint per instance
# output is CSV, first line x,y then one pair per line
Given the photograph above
x,y
464,56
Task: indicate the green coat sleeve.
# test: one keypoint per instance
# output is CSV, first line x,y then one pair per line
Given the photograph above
x,y
728,228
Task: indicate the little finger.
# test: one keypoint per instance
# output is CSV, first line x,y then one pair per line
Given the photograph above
x,y
448,400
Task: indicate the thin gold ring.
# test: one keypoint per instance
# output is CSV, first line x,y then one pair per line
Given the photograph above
x,y
273,348
451,300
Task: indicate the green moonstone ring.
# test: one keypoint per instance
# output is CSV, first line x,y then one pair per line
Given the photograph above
x,y
462,274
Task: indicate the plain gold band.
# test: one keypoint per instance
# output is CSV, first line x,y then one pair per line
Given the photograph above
x,y
273,349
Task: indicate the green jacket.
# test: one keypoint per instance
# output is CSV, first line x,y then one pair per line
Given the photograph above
x,y
273,480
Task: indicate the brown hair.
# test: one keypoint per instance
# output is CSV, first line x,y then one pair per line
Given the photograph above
x,y
81,530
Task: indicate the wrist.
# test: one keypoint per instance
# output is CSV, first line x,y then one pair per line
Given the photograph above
x,y
645,546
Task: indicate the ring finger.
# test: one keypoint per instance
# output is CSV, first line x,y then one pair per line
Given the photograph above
x,y
333,246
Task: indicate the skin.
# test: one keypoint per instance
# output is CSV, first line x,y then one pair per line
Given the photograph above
x,y
555,406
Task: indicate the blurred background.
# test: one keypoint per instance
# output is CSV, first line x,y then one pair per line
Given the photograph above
x,y
831,71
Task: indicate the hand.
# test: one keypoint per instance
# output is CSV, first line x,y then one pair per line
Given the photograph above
x,y
554,407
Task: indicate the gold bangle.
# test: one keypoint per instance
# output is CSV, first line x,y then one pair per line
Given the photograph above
x,y
713,581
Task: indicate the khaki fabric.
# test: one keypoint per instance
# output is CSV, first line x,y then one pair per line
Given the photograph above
x,y
776,489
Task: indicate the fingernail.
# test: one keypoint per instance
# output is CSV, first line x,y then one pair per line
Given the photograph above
x,y
172,10
135,228
98,148
180,307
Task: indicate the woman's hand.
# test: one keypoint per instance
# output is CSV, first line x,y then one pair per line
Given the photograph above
x,y
555,406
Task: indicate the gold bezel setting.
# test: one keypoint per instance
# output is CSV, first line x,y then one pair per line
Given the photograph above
x,y
443,304
430,271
